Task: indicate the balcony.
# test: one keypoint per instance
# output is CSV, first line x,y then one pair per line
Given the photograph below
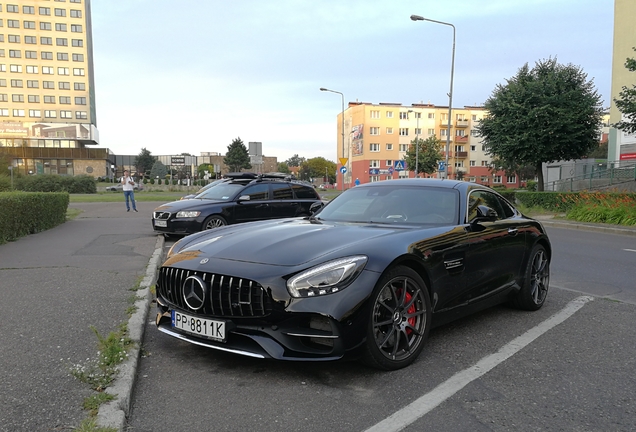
x,y
461,139
461,154
462,123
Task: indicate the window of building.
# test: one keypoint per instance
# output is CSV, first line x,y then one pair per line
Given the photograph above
x,y
13,23
403,147
44,11
443,116
65,100
29,25
35,113
374,147
30,40
389,146
16,83
46,55
404,115
60,12
374,131
404,131
46,41
32,69
80,101
484,163
443,132
417,115
78,71
61,41
48,84
473,132
66,114
17,98
460,132
15,53
77,42
511,179
18,113
78,57
81,115
474,117
34,99
49,99
62,85
496,179
374,179
389,131
472,163
3,82
79,86
4,112
459,148
50,114
75,1
60,27
431,132
389,163
374,114
4,97
31,54
75,13
15,68
389,114
431,115
1,49
14,38
3,67
459,164
47,70
418,131
45,25
13,8
473,148
471,179
374,164
76,28
484,179
63,71
33,84
62,56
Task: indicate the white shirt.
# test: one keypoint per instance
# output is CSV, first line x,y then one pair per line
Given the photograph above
x,y
126,185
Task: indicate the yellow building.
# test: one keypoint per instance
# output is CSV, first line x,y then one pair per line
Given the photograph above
x,y
47,91
622,146
377,138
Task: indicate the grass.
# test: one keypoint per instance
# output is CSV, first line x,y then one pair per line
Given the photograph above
x,y
90,425
142,196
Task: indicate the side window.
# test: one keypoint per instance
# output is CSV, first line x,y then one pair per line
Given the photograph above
x,y
304,192
508,212
257,192
282,191
489,199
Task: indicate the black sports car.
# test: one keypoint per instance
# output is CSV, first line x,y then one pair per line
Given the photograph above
x,y
366,276
244,197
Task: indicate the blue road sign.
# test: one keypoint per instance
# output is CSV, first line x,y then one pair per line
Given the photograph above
x,y
441,166
391,170
374,171
343,170
399,165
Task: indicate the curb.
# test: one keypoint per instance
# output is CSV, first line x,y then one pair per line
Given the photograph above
x,y
589,227
114,413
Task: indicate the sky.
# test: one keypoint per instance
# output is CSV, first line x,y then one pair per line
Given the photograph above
x,y
193,75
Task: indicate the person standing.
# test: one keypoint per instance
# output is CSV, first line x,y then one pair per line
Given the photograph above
x,y
128,185
357,182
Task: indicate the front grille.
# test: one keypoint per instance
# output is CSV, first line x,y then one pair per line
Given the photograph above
x,y
226,296
161,215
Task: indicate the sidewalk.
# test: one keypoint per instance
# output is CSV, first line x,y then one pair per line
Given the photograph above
x,y
54,286
559,222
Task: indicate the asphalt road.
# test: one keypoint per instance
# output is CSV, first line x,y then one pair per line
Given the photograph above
x,y
575,376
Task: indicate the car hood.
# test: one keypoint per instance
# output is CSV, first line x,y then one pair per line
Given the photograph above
x,y
186,204
287,242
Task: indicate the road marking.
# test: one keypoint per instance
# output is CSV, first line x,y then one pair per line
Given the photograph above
x,y
629,250
439,394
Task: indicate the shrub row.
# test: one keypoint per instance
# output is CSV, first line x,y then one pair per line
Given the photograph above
x,y
24,213
56,183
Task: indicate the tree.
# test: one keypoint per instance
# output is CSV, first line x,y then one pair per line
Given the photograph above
x,y
429,153
284,168
237,156
317,168
626,104
158,170
144,162
295,161
544,114
201,169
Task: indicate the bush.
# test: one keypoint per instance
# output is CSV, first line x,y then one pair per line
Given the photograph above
x,y
531,186
5,183
56,183
24,213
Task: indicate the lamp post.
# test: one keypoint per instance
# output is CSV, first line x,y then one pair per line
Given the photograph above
x,y
417,143
450,94
343,141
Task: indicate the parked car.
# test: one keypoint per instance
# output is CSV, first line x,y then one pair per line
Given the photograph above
x,y
120,187
243,198
367,276
204,188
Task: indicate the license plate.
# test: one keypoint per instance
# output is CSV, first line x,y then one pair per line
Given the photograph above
x,y
207,328
161,223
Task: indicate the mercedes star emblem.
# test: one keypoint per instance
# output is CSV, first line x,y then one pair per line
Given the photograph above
x,y
194,292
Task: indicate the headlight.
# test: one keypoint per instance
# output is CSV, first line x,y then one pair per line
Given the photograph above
x,y
326,278
188,214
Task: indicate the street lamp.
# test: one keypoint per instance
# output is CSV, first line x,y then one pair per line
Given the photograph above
x,y
450,94
343,141
417,143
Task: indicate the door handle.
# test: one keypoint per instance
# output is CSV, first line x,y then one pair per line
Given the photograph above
x,y
513,231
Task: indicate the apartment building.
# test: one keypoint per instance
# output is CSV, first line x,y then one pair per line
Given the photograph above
x,y
47,92
377,137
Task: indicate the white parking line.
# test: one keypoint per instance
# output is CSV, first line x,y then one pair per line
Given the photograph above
x,y
629,250
439,394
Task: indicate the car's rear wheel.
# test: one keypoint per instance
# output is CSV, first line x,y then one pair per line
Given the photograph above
x,y
214,221
399,321
536,281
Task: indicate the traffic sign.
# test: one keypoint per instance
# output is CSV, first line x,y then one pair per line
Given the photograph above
x,y
374,171
343,170
399,165
343,161
441,166
391,170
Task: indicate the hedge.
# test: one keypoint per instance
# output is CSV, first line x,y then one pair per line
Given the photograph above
x,y
56,183
24,213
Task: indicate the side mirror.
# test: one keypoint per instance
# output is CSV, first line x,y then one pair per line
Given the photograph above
x,y
244,198
316,206
484,214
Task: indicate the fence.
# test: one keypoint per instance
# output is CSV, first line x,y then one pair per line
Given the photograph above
x,y
598,179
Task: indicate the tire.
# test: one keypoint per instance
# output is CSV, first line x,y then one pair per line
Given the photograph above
x,y
535,282
399,320
214,221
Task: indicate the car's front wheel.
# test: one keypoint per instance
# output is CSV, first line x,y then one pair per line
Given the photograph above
x,y
214,221
536,281
399,321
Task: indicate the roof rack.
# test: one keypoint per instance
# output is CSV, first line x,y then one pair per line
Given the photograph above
x,y
241,175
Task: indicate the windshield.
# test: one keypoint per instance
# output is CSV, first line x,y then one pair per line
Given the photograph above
x,y
394,204
222,192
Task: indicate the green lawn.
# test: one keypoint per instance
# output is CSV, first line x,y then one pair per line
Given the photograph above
x,y
119,197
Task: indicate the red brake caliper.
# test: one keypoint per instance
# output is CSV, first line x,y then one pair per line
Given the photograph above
x,y
407,298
